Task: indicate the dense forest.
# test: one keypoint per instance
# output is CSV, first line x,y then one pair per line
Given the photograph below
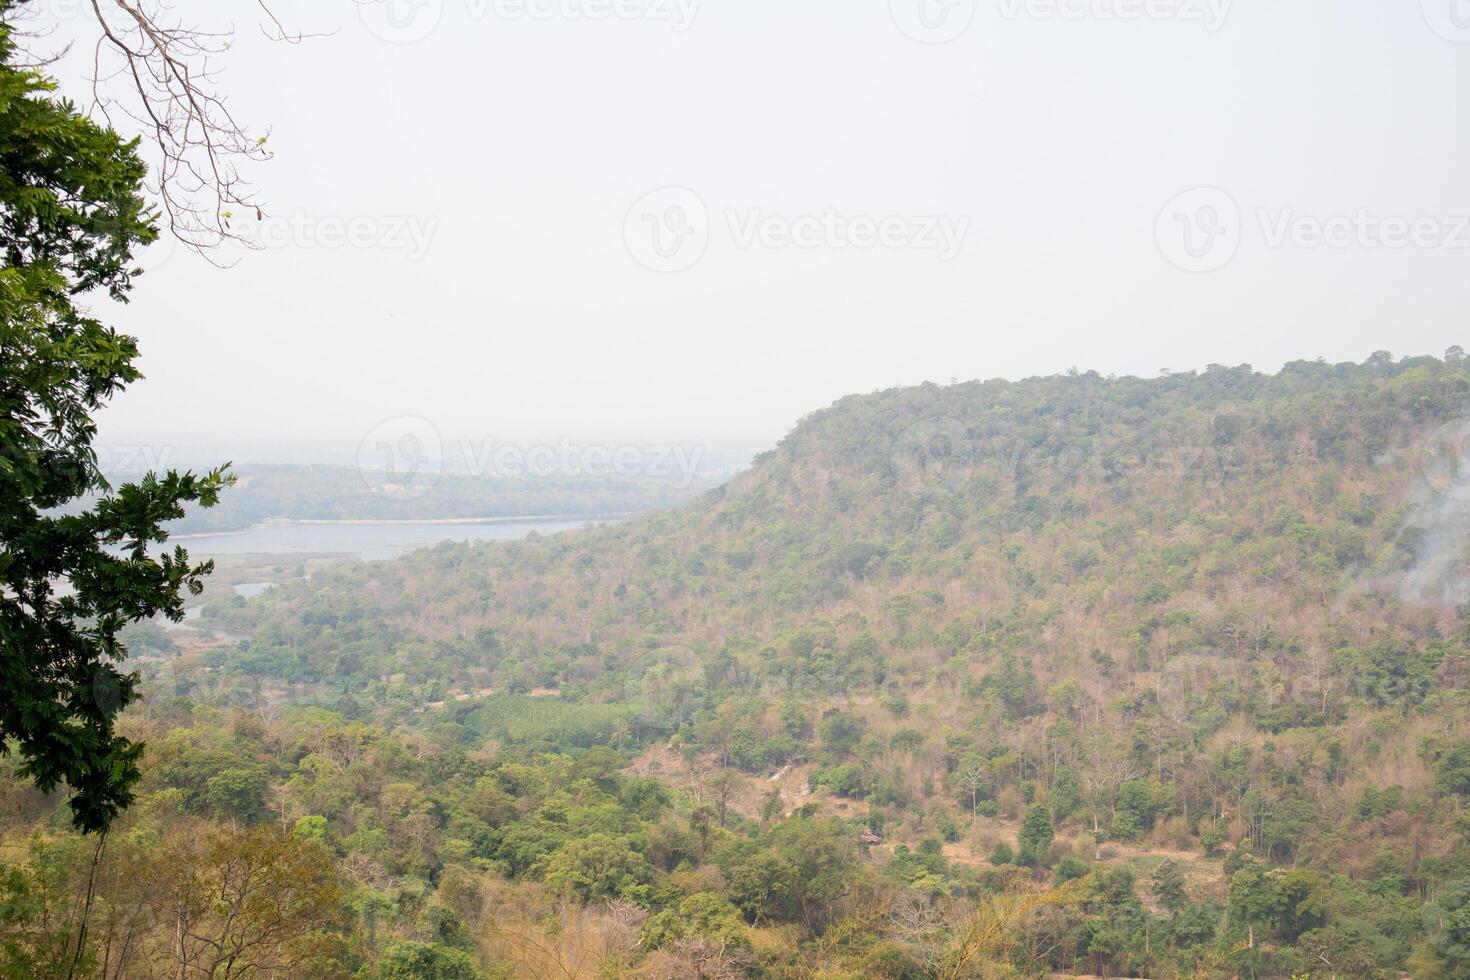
x,y
1075,675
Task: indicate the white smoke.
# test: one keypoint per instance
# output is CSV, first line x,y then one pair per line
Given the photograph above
x,y
1437,528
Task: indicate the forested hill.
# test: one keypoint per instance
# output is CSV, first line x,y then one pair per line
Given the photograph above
x,y
1065,523
1207,628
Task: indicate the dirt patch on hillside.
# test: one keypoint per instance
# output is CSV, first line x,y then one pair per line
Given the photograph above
x,y
747,793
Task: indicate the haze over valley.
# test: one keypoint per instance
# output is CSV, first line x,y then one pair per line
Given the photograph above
x,y
670,490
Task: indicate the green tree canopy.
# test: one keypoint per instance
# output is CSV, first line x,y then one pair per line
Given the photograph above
x,y
1035,837
71,577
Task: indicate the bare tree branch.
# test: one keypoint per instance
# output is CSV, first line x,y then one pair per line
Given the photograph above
x,y
157,74
174,97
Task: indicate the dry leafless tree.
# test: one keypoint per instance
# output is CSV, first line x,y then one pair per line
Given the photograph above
x,y
156,73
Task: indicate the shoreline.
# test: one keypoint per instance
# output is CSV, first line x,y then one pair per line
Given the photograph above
x,y
390,522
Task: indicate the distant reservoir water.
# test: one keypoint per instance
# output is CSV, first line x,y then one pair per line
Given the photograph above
x,y
370,540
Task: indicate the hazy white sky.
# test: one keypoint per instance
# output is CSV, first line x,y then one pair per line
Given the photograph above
x,y
859,209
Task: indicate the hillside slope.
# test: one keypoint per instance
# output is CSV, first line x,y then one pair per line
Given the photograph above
x,y
1050,520
1212,613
